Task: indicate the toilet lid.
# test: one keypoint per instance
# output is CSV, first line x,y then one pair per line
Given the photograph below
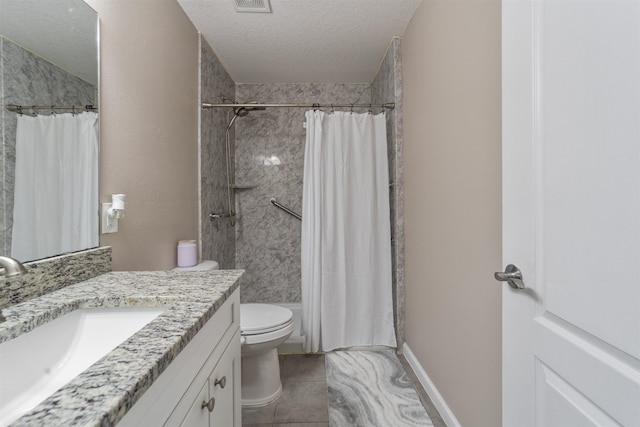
x,y
257,318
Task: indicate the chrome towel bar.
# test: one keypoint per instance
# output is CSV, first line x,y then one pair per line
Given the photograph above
x,y
275,203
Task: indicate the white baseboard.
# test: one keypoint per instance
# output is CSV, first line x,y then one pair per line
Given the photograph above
x,y
442,407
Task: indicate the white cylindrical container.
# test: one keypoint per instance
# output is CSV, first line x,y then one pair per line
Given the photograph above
x,y
187,253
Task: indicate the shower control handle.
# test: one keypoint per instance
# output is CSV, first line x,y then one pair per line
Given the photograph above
x,y
511,275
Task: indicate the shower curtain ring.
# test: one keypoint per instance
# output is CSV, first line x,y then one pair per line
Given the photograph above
x,y
351,108
35,111
53,110
370,111
316,106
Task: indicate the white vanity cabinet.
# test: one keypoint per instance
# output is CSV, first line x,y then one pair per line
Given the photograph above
x,y
201,387
214,402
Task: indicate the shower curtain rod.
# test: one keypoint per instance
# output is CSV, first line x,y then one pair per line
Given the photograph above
x,y
388,105
49,108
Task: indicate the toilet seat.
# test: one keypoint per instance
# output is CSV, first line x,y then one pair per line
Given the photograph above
x,y
256,319
284,330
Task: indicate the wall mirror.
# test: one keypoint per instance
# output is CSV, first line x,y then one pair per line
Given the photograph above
x,y
48,57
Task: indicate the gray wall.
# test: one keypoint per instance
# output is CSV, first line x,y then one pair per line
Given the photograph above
x,y
218,241
268,240
387,87
27,79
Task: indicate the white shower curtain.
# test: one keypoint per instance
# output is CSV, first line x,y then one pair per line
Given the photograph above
x,y
56,185
346,238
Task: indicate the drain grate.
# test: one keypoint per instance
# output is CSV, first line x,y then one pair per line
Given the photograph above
x,y
256,6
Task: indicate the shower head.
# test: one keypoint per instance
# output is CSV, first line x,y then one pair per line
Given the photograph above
x,y
252,108
241,112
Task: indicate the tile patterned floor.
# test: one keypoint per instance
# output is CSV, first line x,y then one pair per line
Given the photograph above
x,y
340,389
304,396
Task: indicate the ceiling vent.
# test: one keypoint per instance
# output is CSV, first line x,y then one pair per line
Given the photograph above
x,y
256,6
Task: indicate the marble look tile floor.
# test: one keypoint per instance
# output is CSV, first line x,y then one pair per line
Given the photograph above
x,y
345,389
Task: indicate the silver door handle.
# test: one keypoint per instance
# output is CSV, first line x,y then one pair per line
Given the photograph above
x,y
511,275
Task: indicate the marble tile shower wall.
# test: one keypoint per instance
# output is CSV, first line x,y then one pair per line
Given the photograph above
x,y
387,87
270,156
28,79
218,241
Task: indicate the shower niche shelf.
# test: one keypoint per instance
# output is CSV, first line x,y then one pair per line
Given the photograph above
x,y
240,187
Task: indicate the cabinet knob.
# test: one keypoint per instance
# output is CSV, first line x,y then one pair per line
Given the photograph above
x,y
221,382
209,405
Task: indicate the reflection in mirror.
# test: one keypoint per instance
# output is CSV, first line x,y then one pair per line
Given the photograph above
x,y
48,57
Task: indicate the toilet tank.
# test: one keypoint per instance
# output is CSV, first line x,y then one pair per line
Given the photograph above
x,y
204,265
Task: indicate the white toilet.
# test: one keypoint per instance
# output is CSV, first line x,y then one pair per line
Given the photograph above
x,y
263,327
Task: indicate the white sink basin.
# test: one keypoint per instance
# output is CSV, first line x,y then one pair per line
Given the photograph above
x,y
36,364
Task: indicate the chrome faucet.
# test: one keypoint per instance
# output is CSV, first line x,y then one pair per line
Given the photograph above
x,y
12,268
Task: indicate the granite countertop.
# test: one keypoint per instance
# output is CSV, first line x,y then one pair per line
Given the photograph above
x,y
101,395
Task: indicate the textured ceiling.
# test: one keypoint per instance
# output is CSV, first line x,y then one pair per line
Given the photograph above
x,y
302,41
65,32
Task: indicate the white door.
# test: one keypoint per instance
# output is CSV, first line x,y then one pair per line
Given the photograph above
x,y
571,212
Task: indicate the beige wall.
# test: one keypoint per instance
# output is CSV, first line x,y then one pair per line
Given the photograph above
x,y
452,137
451,60
149,128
